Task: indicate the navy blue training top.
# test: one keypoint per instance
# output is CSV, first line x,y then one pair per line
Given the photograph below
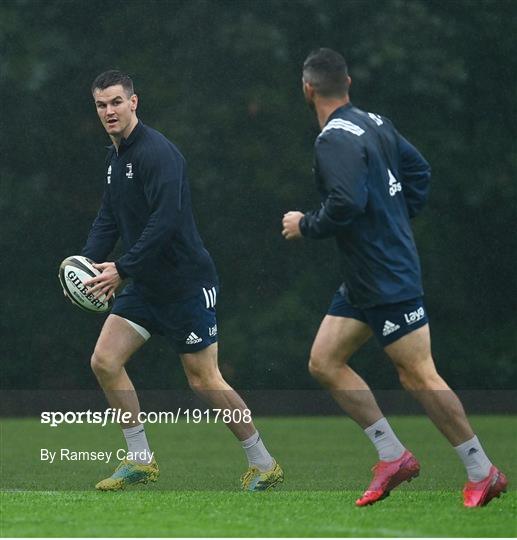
x,y
371,181
147,203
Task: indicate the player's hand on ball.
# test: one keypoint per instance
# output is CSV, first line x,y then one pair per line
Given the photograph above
x,y
291,225
106,282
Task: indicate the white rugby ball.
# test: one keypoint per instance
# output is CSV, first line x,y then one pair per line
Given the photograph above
x,y
73,272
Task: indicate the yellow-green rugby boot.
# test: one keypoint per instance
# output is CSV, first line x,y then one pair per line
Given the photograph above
x,y
256,480
130,472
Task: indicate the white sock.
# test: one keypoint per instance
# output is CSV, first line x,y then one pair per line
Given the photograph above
x,y
257,453
474,458
137,443
385,441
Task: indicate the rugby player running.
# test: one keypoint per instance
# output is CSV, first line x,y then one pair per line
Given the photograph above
x,y
372,181
173,287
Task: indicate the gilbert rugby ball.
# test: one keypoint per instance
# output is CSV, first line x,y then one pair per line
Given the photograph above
x,y
73,272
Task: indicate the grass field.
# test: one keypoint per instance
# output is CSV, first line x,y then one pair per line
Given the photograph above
x,y
326,463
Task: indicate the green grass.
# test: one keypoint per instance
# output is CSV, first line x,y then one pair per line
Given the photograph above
x,y
326,463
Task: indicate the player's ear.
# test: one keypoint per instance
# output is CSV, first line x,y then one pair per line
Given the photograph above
x,y
349,81
134,102
308,90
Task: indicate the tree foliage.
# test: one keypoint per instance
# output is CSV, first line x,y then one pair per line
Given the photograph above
x,y
222,80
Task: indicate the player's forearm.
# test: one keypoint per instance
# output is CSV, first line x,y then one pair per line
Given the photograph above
x,y
329,220
158,233
99,245
416,192
103,234
415,174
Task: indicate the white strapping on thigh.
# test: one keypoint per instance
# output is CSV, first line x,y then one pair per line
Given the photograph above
x,y
140,329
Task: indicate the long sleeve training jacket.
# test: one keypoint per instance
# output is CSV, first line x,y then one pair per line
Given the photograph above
x,y
147,203
371,181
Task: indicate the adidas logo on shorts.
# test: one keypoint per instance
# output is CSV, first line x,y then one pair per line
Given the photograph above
x,y
389,328
193,339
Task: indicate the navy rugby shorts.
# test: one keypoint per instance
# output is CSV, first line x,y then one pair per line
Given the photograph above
x,y
388,322
189,325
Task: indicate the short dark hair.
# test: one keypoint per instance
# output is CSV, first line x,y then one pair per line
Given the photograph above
x,y
112,78
327,72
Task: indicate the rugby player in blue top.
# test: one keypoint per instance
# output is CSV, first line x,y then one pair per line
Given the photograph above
x,y
372,181
173,285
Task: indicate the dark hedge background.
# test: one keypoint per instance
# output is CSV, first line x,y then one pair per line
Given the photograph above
x,y
222,80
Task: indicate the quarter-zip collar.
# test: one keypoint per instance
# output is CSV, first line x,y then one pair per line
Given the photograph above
x,y
337,112
133,136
